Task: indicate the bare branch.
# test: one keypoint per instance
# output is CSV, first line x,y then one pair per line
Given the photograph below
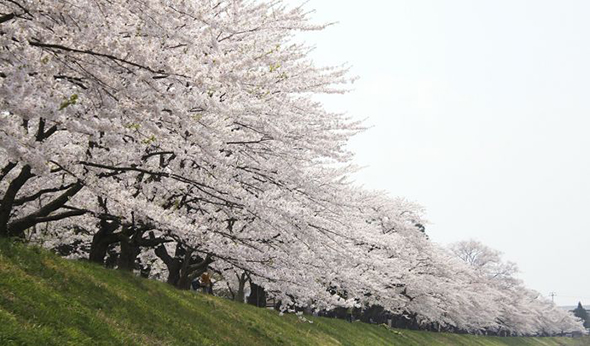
x,y
21,201
18,226
6,17
60,216
7,170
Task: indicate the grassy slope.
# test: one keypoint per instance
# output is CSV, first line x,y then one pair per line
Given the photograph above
x,y
46,300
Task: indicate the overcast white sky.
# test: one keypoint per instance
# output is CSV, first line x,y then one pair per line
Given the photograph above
x,y
480,112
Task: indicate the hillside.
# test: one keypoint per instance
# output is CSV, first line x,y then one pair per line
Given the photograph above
x,y
46,300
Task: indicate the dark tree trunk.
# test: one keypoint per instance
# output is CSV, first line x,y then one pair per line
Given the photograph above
x,y
129,252
184,282
374,314
192,268
98,251
174,273
112,257
257,295
102,240
129,241
239,297
131,238
8,199
173,264
183,268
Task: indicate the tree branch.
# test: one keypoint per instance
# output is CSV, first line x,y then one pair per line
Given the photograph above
x,y
153,242
37,43
204,263
6,17
8,200
263,139
41,133
18,226
147,156
60,216
6,170
21,201
162,253
201,187
21,7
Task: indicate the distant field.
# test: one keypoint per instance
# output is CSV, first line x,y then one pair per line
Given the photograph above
x,y
46,300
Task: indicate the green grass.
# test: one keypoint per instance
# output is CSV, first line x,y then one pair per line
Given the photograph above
x,y
46,300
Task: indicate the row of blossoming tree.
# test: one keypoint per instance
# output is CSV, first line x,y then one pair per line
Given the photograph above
x,y
177,137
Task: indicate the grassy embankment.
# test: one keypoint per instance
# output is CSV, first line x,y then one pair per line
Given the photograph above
x,y
46,300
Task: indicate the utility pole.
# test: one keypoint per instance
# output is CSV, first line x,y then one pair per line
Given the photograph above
x,y
552,294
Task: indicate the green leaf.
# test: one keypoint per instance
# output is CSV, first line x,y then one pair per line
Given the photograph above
x,y
133,126
68,102
149,140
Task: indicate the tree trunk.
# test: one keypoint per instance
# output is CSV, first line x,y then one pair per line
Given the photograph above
x,y
128,240
174,273
239,297
102,240
129,252
257,295
173,264
182,268
8,199
192,268
98,251
131,238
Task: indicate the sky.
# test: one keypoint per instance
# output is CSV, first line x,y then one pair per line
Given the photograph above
x,y
479,111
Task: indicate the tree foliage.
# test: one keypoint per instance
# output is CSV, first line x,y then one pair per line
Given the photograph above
x,y
582,314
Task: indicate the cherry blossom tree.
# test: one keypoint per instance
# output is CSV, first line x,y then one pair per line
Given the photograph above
x,y
146,106
521,311
191,119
